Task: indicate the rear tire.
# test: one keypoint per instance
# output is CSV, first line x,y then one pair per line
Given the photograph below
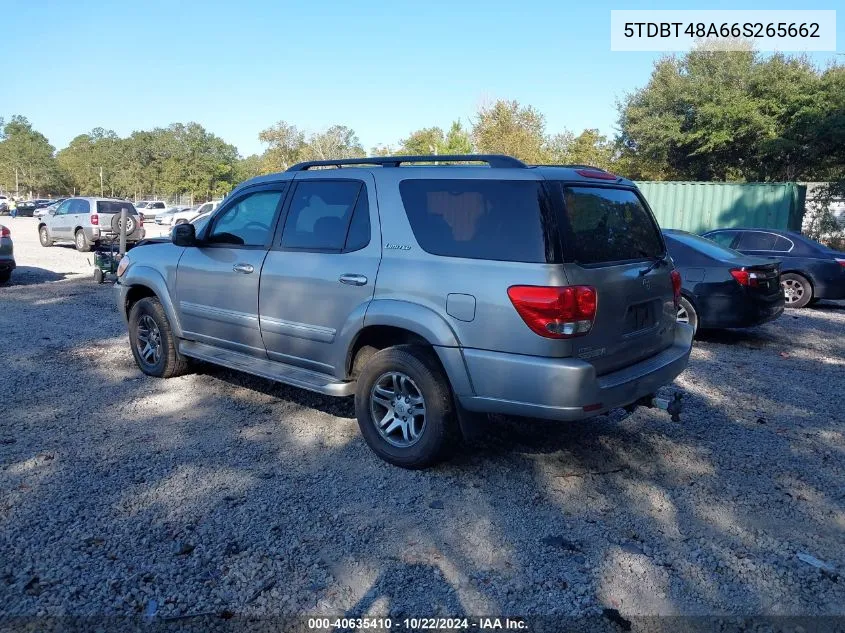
x,y
797,290
152,341
5,276
687,314
44,237
407,390
82,243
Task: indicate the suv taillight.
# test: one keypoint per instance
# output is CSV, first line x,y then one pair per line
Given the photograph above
x,y
5,232
95,219
839,261
676,286
743,277
555,311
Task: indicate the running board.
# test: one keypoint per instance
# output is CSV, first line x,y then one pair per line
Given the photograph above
x,y
272,370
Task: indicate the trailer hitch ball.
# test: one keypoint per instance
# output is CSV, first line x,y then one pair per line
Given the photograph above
x,y
672,407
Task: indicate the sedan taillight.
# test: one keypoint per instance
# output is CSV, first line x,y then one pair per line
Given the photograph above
x,y
5,232
676,287
744,277
840,261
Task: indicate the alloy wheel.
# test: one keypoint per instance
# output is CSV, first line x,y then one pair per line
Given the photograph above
x,y
793,290
149,340
397,409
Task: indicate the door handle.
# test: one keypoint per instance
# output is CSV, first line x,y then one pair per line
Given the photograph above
x,y
353,280
243,268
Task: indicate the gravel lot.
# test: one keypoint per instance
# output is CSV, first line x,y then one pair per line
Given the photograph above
x,y
222,493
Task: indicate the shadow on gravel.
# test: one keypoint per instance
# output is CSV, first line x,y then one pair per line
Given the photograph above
x,y
30,275
223,493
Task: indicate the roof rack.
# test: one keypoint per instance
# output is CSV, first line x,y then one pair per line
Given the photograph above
x,y
496,161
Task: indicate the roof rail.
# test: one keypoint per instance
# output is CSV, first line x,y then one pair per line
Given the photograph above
x,y
497,161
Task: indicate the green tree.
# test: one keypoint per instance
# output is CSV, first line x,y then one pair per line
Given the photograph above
x,y
249,167
27,156
508,128
429,140
734,115
338,141
285,144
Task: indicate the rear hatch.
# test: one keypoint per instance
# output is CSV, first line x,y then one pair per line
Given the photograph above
x,y
108,212
612,243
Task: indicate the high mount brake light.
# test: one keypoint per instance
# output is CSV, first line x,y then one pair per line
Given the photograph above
x,y
595,173
556,311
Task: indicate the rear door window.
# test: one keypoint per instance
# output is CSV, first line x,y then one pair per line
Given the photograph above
x,y
606,225
320,214
79,206
757,241
505,220
724,238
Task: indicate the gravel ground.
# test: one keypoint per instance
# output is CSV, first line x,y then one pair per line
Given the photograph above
x,y
222,493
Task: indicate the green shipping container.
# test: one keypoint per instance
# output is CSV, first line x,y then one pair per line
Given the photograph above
x,y
702,206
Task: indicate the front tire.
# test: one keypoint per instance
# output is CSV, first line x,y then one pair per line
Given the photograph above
x,y
152,341
82,243
797,290
44,237
687,314
404,407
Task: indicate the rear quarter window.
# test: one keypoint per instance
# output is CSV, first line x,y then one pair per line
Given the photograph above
x,y
504,220
606,225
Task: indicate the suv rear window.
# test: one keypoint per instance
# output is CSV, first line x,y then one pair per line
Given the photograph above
x,y
114,206
608,225
505,220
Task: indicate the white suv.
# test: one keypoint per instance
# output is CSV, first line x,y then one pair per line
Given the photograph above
x,y
150,208
181,217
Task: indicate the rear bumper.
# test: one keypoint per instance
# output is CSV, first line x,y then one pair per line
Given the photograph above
x,y
7,263
559,389
719,311
832,289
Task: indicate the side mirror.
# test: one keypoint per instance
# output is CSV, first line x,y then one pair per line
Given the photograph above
x,y
184,234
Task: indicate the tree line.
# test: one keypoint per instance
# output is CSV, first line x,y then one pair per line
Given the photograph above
x,y
704,115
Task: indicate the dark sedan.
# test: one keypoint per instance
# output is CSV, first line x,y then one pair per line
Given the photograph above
x,y
720,287
7,254
809,271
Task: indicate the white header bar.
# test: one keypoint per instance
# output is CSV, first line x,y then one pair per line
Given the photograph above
x,y
681,30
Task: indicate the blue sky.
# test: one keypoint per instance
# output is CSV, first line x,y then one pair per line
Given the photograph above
x,y
382,68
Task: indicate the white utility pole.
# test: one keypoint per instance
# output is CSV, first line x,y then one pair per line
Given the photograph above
x,y
101,182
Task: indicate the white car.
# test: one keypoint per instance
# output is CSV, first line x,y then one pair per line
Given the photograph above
x,y
166,216
182,217
150,208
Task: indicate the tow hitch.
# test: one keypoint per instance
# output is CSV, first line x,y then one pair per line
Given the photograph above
x,y
671,406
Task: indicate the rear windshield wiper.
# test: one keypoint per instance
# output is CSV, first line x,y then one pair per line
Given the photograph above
x,y
655,262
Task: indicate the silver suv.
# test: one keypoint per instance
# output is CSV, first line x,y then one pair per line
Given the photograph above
x,y
433,293
88,221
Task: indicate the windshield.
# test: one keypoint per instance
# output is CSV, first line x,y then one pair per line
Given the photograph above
x,y
200,221
702,244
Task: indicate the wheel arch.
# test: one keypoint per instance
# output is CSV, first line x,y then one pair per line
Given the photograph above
x,y
142,281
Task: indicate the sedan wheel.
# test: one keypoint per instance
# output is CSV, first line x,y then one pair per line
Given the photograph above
x,y
687,314
797,291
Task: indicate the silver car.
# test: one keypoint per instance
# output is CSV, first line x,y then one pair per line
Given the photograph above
x,y
432,293
89,221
